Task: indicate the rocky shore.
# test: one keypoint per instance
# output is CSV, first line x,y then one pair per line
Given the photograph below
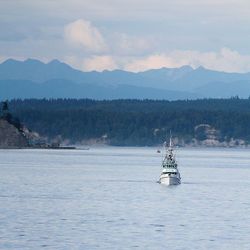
x,y
11,137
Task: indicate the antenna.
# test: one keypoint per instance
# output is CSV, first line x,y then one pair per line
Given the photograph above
x,y
170,139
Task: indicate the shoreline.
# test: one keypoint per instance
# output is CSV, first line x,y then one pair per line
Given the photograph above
x,y
157,147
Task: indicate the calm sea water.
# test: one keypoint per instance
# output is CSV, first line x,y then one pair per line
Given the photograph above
x,y
108,198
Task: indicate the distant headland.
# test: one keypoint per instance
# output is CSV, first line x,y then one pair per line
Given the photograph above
x,y
13,134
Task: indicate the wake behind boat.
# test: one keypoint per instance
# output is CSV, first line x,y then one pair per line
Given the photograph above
x,y
170,174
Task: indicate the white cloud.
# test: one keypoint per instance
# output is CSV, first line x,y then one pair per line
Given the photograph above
x,y
83,34
151,62
99,63
225,60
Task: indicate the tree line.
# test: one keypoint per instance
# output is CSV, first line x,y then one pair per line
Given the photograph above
x,y
133,122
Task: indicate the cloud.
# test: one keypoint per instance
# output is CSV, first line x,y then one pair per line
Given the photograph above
x,y
83,34
151,62
139,35
99,63
131,45
225,60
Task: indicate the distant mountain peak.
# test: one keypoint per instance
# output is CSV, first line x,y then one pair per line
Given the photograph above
x,y
10,61
58,64
187,67
28,61
54,61
32,62
201,68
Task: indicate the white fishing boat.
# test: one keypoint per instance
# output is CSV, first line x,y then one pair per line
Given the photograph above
x,y
170,174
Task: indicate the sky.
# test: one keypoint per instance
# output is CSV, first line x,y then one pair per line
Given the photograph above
x,y
132,35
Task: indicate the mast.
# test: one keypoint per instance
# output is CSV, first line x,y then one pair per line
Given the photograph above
x,y
170,140
169,158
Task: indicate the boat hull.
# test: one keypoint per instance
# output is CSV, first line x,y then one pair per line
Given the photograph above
x,y
169,180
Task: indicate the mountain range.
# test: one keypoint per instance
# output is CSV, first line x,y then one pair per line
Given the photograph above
x,y
35,79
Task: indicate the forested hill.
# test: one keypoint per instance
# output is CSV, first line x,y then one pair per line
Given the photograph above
x,y
215,122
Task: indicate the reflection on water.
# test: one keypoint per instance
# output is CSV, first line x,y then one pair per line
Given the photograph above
x,y
109,198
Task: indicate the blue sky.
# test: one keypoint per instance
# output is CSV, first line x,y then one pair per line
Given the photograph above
x,y
131,35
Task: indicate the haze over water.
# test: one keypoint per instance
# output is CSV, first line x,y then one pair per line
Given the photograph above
x,y
108,198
